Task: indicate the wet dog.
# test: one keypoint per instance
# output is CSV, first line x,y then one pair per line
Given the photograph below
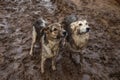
x,y
53,35
37,33
78,34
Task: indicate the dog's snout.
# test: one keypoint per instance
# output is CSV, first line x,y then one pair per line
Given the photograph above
x,y
87,29
64,33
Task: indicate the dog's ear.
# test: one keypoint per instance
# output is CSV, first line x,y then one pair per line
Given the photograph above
x,y
51,27
72,25
46,30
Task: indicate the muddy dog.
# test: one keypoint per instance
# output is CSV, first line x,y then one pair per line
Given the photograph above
x,y
37,33
78,35
54,33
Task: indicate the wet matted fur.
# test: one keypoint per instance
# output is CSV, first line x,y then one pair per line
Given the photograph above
x,y
50,44
78,34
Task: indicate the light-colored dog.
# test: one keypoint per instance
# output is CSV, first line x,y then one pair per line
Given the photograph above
x,y
78,34
53,35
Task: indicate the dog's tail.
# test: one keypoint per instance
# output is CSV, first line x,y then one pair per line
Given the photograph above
x,y
39,25
37,33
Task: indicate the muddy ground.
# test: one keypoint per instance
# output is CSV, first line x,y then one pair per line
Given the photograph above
x,y
101,56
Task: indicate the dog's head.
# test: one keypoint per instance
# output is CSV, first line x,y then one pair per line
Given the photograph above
x,y
55,31
80,27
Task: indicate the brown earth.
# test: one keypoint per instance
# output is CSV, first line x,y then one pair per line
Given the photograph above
x,y
101,57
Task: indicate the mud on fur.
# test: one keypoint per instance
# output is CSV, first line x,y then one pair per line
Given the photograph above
x,y
54,33
78,34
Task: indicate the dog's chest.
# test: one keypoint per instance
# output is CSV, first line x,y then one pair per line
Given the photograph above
x,y
81,40
53,45
50,49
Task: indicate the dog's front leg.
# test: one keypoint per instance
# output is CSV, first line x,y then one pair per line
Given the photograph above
x,y
53,63
42,63
34,34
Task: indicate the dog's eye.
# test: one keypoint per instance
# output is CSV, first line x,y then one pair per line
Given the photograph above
x,y
80,24
54,29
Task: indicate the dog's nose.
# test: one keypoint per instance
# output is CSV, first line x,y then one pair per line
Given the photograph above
x,y
64,33
87,29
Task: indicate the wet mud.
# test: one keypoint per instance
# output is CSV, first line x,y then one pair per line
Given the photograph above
x,y
101,57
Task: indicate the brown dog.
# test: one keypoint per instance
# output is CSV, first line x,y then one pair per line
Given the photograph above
x,y
50,43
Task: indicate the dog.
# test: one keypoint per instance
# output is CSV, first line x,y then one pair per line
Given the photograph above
x,y
78,34
53,35
37,33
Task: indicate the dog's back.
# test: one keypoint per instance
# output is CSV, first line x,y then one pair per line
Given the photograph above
x,y
37,33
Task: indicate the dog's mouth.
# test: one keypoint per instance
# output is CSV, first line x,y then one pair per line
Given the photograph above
x,y
62,38
80,33
56,37
61,35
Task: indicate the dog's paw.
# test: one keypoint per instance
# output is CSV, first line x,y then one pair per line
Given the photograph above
x,y
31,54
42,71
54,68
